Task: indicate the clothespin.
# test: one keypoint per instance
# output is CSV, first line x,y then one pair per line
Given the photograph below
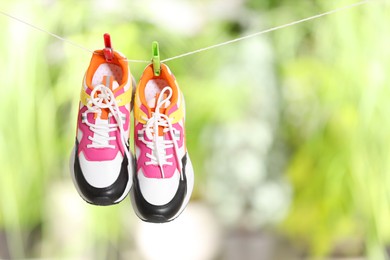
x,y
108,51
156,59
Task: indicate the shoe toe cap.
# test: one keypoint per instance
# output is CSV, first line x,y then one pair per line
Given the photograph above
x,y
102,183
158,191
158,200
100,174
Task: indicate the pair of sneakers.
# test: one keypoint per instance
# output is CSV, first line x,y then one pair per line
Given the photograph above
x,y
160,178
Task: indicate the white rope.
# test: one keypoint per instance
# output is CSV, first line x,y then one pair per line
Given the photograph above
x,y
268,30
45,31
57,36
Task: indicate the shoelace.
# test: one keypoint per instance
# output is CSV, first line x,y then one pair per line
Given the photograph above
x,y
158,145
101,138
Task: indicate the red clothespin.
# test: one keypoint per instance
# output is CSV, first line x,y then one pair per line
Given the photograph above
x,y
108,51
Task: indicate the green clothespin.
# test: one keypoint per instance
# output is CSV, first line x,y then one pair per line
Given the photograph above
x,y
156,59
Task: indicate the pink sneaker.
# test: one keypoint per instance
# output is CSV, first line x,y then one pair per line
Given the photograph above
x,y
100,165
164,180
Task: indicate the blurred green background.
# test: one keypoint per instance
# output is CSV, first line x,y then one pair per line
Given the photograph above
x,y
288,132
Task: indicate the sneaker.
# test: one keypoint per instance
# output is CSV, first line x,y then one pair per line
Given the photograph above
x,y
164,178
99,161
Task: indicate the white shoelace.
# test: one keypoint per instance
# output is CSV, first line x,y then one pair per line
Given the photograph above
x,y
101,138
158,145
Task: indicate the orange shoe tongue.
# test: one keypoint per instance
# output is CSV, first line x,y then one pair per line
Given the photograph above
x,y
152,103
109,82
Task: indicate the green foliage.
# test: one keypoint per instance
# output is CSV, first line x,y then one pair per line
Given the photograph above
x,y
336,122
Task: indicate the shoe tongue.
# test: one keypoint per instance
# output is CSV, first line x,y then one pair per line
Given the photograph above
x,y
152,103
111,83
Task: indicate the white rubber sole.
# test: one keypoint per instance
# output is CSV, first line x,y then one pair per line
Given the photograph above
x,y
125,193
